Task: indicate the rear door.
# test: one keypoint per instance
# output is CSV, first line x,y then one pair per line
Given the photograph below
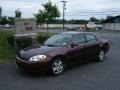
x,y
91,46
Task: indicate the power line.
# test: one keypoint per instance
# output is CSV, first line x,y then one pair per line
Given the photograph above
x,y
110,11
88,14
93,12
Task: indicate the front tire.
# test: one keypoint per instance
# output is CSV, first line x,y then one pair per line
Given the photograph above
x,y
57,66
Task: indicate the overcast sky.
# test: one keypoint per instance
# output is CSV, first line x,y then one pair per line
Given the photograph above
x,y
75,9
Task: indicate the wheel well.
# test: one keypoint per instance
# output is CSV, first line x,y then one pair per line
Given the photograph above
x,y
105,47
59,56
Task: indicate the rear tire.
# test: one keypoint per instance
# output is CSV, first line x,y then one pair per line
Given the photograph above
x,y
101,56
57,66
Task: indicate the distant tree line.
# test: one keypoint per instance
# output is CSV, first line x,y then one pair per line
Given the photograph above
x,y
7,20
73,21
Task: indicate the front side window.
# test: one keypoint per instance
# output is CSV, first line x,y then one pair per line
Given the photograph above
x,y
90,38
79,39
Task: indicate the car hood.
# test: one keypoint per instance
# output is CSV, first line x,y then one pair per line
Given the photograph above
x,y
27,53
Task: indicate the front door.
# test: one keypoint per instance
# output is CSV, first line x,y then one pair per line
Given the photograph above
x,y
77,52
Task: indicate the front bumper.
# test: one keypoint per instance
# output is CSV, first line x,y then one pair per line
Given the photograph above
x,y
33,66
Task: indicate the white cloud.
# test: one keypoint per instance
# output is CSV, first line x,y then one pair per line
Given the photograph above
x,y
28,7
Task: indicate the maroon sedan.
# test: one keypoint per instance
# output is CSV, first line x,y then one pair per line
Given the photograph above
x,y
61,51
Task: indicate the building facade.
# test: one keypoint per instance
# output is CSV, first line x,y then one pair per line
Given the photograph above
x,y
112,24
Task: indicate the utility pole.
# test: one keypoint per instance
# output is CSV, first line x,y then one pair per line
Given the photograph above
x,y
0,12
64,8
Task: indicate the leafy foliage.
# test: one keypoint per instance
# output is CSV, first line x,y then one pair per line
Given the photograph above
x,y
7,20
41,16
77,21
49,13
3,20
23,42
43,36
93,19
18,13
7,53
10,40
11,20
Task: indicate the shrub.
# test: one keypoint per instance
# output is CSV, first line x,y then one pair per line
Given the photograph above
x,y
43,36
3,38
10,40
41,39
23,42
7,53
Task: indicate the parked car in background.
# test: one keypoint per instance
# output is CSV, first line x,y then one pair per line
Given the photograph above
x,y
63,50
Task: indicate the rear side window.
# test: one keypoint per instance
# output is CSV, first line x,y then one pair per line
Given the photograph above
x,y
80,39
90,38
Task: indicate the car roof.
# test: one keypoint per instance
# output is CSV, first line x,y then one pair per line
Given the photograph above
x,y
75,32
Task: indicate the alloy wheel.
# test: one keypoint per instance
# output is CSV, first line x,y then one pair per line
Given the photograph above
x,y
57,66
101,55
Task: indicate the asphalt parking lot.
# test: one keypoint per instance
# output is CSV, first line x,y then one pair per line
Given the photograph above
x,y
88,76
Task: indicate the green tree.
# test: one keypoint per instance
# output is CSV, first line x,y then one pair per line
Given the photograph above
x,y
93,19
40,16
4,20
77,21
18,13
11,20
49,13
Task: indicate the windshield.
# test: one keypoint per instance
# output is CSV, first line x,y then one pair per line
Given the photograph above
x,y
58,40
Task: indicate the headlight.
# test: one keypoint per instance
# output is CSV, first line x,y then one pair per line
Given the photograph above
x,y
37,58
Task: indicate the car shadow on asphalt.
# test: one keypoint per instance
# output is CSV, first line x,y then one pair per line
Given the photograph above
x,y
31,74
80,65
46,74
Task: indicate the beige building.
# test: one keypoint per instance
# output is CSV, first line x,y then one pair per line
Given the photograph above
x,y
25,26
